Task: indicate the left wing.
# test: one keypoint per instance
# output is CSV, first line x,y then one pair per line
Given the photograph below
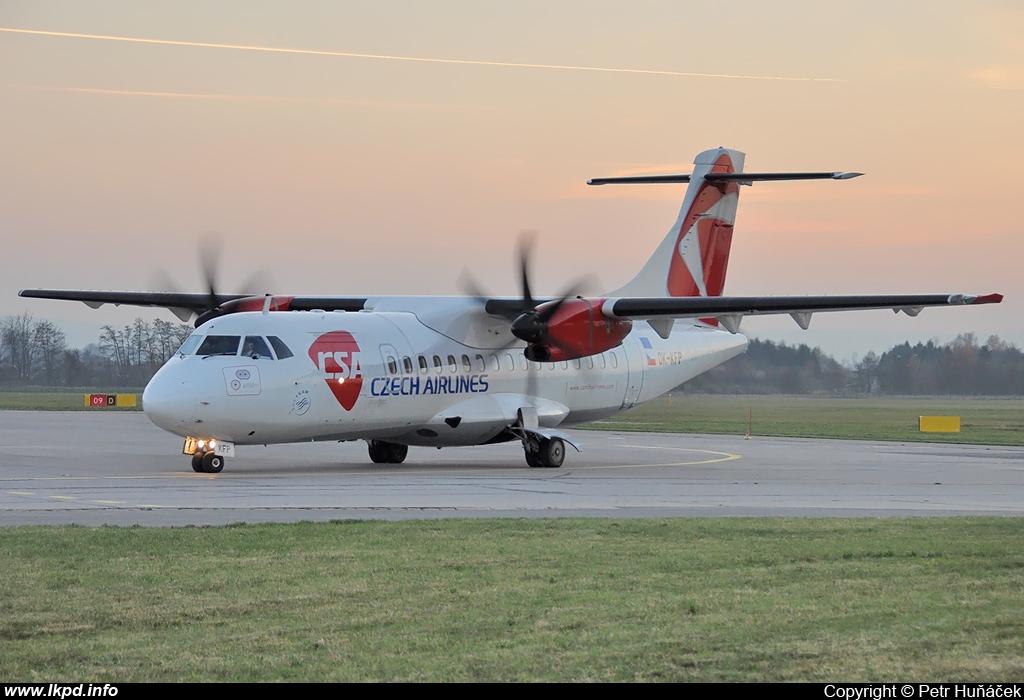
x,y
730,310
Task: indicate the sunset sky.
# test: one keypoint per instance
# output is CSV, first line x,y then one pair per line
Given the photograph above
x,y
342,169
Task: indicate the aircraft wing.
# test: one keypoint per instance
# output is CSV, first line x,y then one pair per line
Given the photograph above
x,y
185,305
730,310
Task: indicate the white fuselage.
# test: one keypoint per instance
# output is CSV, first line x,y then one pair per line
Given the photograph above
x,y
436,377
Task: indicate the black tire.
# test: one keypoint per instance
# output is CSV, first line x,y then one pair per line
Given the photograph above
x,y
382,452
212,463
378,455
197,462
397,453
552,453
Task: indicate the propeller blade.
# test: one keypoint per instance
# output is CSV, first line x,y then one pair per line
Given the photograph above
x,y
258,283
211,246
526,240
468,285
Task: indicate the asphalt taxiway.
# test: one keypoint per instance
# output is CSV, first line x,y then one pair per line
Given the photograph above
x,y
118,468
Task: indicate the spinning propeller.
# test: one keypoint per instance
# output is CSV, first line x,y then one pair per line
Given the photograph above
x,y
530,319
210,251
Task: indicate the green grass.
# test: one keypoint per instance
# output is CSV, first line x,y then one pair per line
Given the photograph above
x,y
517,600
983,421
59,400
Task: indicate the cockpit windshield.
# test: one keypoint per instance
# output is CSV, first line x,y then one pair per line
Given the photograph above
x,y
190,344
255,347
220,345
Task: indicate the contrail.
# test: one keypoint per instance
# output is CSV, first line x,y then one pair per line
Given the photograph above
x,y
239,98
416,59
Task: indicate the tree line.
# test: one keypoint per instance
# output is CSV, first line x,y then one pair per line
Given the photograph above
x,y
35,353
963,366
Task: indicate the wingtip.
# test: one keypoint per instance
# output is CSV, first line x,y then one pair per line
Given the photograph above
x,y
845,176
988,299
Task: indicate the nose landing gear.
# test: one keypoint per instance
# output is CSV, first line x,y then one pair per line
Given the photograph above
x,y
208,462
208,456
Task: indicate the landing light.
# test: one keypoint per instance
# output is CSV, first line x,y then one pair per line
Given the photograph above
x,y
201,444
341,380
213,444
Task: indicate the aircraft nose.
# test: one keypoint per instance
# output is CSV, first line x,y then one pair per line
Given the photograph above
x,y
168,402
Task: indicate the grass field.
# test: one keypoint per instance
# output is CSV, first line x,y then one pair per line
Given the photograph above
x,y
59,400
983,421
499,600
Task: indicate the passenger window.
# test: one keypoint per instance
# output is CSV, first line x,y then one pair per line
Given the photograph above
x,y
578,364
279,347
590,362
452,364
615,361
480,363
551,365
437,364
601,358
256,348
190,344
495,364
407,364
423,364
392,366
524,364
220,345
565,365
510,364
466,364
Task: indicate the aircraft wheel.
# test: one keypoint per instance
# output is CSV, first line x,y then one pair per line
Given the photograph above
x,y
378,453
197,462
552,453
397,453
212,463
382,452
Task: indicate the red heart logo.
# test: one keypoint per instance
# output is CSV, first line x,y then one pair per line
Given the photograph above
x,y
337,356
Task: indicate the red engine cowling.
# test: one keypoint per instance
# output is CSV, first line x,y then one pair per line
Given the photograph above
x,y
277,303
578,328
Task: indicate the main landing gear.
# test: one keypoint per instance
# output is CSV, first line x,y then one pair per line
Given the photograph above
x,y
544,452
208,462
387,452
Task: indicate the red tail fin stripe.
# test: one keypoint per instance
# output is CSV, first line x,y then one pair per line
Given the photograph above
x,y
701,256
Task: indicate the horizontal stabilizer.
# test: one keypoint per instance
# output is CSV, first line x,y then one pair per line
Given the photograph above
x,y
743,178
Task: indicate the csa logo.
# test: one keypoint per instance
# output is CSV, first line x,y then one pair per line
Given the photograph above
x,y
337,357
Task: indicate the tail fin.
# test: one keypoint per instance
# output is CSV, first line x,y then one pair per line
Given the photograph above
x,y
694,256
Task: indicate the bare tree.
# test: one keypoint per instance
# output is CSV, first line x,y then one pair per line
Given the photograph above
x,y
113,347
48,345
16,344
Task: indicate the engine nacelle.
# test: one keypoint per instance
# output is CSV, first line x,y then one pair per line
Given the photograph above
x,y
578,328
276,303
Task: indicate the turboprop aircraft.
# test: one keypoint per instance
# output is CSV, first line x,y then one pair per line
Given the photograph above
x,y
473,370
